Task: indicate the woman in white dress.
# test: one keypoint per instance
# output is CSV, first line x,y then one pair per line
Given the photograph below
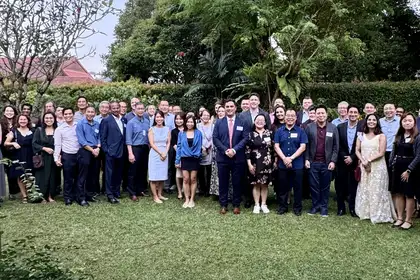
x,y
373,200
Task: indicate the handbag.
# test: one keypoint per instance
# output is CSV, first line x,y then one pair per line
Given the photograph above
x,y
37,161
358,173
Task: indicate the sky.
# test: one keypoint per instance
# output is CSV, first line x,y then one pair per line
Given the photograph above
x,y
99,41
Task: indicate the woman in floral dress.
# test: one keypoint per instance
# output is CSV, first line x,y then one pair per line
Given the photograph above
x,y
259,154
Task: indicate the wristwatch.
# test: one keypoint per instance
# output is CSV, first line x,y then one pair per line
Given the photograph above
x,y
408,171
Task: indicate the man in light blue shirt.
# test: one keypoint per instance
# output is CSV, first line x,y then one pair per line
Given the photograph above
x,y
87,131
138,153
169,118
389,125
103,112
342,112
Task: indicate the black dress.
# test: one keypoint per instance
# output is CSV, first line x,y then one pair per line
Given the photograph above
x,y
260,151
404,155
46,176
24,154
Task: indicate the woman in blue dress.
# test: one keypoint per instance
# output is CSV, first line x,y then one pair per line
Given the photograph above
x,y
160,140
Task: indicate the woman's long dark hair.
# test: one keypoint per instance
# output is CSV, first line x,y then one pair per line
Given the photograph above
x,y
55,120
253,125
186,120
159,112
377,129
401,131
276,123
4,121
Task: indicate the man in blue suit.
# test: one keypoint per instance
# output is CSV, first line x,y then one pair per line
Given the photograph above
x,y
230,135
112,133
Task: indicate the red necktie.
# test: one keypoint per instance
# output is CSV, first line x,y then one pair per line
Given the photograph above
x,y
230,131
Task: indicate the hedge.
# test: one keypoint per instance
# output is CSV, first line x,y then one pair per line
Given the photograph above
x,y
405,94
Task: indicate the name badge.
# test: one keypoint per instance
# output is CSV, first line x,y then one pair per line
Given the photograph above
x,y
293,135
407,140
329,134
144,132
96,130
239,128
267,139
29,133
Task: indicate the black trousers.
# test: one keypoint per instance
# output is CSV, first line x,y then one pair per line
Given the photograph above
x,y
204,177
345,186
88,180
114,173
126,167
12,182
70,170
286,180
137,173
247,187
102,159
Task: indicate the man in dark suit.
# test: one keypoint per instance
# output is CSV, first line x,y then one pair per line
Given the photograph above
x,y
248,118
112,133
345,182
303,115
230,135
321,156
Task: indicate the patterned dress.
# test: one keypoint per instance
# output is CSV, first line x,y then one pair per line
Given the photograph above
x,y
373,200
260,150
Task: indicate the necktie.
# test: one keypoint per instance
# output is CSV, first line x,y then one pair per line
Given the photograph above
x,y
230,131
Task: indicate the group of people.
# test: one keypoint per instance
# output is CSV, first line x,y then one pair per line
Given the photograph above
x,y
374,161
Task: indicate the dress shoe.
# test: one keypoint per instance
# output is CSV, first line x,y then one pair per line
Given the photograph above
x,y
341,213
113,200
248,204
84,203
223,210
353,214
281,211
144,194
68,202
92,199
134,198
298,213
236,210
312,211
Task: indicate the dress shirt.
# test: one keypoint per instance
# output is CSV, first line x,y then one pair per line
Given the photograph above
x,y
351,133
338,121
289,141
390,129
136,133
88,133
65,140
99,118
320,144
129,116
119,123
78,116
305,116
254,114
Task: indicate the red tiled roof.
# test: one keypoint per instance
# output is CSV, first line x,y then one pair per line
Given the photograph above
x,y
71,72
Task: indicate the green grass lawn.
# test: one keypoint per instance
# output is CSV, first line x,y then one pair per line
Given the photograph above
x,y
149,241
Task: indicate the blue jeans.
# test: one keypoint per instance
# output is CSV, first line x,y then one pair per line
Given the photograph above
x,y
320,180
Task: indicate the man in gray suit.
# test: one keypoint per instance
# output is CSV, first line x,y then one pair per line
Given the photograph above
x,y
248,118
320,158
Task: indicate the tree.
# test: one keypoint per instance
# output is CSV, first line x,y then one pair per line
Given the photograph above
x,y
37,36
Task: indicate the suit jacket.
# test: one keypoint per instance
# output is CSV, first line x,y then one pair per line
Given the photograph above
x,y
299,116
331,143
247,118
343,147
222,143
112,140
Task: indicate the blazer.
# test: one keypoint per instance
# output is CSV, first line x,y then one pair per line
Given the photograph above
x,y
343,146
415,163
299,116
112,140
222,143
184,150
246,117
331,143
